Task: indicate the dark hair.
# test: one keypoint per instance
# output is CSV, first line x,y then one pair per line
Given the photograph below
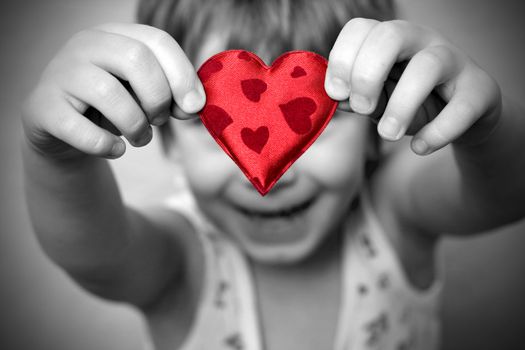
x,y
267,27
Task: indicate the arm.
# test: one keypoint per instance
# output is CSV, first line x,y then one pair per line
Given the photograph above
x,y
464,188
73,200
82,224
441,97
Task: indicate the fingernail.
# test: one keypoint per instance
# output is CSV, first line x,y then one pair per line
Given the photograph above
x,y
193,101
420,147
144,138
360,104
118,149
390,128
161,118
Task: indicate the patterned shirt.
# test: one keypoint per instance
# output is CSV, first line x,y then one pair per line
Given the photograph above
x,y
380,309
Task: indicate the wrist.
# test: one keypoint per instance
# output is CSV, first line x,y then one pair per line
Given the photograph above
x,y
63,158
495,147
51,148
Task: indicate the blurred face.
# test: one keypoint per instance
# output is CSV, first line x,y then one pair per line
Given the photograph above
x,y
305,206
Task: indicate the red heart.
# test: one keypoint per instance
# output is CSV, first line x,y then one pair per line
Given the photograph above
x,y
264,117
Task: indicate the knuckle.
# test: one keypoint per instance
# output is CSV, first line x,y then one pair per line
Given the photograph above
x,y
64,125
365,76
435,135
138,55
400,109
96,143
348,27
106,88
162,38
399,23
430,58
184,83
76,49
160,100
466,108
81,36
358,23
137,126
390,31
491,86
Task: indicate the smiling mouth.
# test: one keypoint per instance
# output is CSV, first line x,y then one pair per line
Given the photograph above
x,y
275,214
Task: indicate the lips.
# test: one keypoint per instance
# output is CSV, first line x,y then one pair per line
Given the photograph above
x,y
274,225
276,213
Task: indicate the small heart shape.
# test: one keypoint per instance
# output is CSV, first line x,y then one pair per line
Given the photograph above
x,y
218,119
298,72
253,89
297,114
210,69
255,140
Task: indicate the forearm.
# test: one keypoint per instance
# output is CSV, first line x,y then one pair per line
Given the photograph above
x,y
493,171
75,208
463,189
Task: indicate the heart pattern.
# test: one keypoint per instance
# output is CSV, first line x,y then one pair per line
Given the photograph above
x,y
297,114
297,72
255,140
264,117
253,88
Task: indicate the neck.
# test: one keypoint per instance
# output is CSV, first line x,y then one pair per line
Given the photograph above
x,y
322,258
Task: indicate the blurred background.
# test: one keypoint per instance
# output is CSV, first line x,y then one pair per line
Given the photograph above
x,y
40,308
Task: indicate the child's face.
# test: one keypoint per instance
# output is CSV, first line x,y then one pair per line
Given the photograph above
x,y
305,205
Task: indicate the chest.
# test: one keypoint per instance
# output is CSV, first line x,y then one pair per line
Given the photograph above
x,y
299,309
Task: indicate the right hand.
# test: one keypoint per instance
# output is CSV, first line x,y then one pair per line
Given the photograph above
x,y
108,81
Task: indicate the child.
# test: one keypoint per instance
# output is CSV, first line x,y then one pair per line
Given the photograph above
x,y
335,256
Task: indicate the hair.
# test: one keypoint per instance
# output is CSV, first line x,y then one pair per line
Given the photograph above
x,y
267,27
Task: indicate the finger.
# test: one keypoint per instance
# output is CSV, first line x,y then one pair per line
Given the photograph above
x,y
342,57
185,85
93,115
105,93
381,105
427,69
386,44
68,125
427,112
397,70
382,102
464,109
135,63
98,119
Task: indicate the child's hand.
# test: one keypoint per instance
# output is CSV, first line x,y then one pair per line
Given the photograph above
x,y
112,80
361,65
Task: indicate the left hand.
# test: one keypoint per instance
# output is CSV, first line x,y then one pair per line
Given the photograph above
x,y
442,96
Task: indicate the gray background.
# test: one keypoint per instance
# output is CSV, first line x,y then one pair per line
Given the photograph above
x,y
40,308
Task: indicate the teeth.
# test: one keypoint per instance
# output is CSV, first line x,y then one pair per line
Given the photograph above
x,y
278,214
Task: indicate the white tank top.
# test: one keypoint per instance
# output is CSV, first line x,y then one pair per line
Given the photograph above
x,y
380,309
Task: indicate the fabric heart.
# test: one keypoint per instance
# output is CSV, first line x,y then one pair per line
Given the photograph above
x,y
264,117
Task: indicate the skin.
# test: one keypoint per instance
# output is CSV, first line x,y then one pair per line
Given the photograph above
x,y
151,257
